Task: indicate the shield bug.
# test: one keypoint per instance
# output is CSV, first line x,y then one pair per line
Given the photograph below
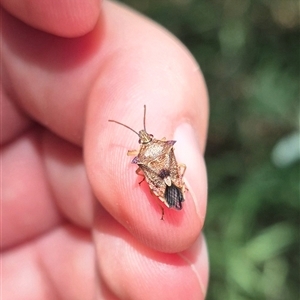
x,y
157,164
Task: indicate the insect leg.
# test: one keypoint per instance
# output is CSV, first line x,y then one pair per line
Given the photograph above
x,y
132,152
162,213
182,168
140,173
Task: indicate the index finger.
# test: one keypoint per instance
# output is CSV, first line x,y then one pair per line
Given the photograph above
x,y
146,65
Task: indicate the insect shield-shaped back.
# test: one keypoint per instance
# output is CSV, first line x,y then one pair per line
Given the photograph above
x,y
158,165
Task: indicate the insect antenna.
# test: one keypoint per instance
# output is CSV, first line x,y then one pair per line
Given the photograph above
x,y
145,118
124,126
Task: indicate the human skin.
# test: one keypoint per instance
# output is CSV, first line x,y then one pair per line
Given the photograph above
x,y
75,222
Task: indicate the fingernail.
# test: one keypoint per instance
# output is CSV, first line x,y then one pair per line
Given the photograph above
x,y
188,152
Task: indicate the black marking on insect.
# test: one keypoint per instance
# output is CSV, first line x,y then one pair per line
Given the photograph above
x,y
157,164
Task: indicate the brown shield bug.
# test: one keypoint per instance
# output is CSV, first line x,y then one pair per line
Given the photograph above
x,y
157,164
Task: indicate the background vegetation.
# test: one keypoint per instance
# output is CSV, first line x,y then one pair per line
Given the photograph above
x,y
249,54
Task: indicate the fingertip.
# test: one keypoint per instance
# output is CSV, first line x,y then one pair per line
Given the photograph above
x,y
117,187
72,18
165,78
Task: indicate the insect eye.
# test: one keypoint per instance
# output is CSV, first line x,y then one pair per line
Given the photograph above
x,y
151,135
140,141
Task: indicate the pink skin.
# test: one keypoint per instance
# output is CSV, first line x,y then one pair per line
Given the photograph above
x,y
79,226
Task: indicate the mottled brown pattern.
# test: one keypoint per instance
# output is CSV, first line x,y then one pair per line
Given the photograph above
x,y
158,165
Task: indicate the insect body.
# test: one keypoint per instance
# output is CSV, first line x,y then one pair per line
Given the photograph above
x,y
158,165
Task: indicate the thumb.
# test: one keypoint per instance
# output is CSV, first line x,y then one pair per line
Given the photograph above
x,y
165,78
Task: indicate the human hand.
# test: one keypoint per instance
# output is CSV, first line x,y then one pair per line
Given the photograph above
x,y
76,224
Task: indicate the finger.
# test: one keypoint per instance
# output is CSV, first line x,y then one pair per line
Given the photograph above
x,y
44,75
67,180
14,122
27,203
167,79
132,271
63,18
59,265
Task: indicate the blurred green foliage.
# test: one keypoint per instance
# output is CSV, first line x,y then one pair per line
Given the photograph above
x,y
249,54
